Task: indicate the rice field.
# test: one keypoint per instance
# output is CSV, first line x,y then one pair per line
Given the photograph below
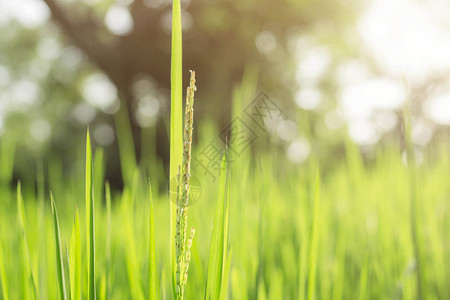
x,y
265,228
265,231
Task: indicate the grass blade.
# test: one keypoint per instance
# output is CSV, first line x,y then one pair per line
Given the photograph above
x,y
163,285
312,256
90,225
363,280
226,274
151,255
415,210
26,260
176,120
59,257
126,144
7,153
108,240
3,279
130,245
99,174
75,259
217,254
68,267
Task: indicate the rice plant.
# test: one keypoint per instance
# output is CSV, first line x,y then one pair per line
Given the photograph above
x,y
182,243
59,252
265,229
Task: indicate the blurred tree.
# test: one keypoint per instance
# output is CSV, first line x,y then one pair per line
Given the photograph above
x,y
57,77
220,39
58,91
129,40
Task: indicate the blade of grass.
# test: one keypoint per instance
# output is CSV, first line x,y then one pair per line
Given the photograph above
x,y
226,274
90,225
75,259
176,120
3,279
363,279
7,151
312,256
218,248
108,239
41,217
414,209
68,267
126,144
99,175
163,285
26,260
151,255
59,256
303,255
131,244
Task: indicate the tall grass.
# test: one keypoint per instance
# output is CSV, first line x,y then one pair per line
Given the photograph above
x,y
151,254
75,259
90,220
59,252
3,279
354,240
219,257
267,229
176,137
27,267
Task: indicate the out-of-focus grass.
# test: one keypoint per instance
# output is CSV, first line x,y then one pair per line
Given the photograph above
x,y
356,236
59,252
267,229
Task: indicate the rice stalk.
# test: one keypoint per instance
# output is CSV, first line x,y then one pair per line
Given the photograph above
x,y
3,279
176,121
7,153
59,256
415,228
183,245
90,219
75,259
151,255
68,268
312,256
125,141
108,240
27,269
218,258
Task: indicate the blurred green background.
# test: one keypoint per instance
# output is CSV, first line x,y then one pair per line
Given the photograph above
x,y
336,68
328,198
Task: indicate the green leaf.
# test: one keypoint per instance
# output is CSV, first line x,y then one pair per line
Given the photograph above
x,y
176,123
108,239
219,241
7,151
99,174
27,271
126,144
312,257
152,256
3,279
90,223
225,276
75,259
59,256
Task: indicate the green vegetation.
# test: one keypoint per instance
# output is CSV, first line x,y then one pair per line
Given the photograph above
x,y
268,233
267,229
